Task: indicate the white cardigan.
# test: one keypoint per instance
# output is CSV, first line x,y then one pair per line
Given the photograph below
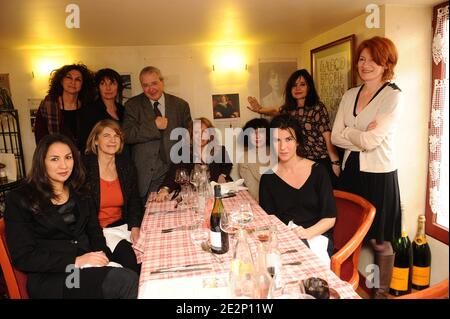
x,y
376,146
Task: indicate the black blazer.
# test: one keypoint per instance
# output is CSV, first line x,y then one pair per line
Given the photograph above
x,y
42,245
132,210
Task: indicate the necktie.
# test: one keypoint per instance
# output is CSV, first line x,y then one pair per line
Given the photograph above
x,y
162,152
156,109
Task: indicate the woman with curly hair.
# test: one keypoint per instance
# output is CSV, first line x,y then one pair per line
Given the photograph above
x,y
71,88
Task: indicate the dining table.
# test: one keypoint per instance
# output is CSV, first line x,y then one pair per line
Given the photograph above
x,y
174,268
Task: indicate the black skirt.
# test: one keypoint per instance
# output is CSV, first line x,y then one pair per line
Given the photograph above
x,y
382,190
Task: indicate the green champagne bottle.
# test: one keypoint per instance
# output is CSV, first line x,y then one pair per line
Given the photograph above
x,y
421,258
401,274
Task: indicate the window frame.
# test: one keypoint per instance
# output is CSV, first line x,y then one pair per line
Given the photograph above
x,y
433,229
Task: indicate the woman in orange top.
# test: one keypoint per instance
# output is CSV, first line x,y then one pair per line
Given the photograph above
x,y
113,182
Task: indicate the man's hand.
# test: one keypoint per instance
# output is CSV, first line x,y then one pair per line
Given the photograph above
x,y
161,122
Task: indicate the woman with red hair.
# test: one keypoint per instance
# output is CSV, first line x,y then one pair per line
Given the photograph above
x,y
365,126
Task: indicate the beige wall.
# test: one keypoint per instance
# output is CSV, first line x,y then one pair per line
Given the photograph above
x,y
410,28
355,26
187,70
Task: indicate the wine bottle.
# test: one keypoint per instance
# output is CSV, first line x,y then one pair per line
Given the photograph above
x,y
263,278
242,279
273,256
421,258
218,238
401,274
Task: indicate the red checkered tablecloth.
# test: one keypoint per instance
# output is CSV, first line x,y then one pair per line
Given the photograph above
x,y
158,250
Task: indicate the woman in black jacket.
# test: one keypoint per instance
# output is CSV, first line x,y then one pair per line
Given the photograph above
x,y
112,180
53,234
109,86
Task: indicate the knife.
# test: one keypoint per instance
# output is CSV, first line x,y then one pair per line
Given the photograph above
x,y
196,267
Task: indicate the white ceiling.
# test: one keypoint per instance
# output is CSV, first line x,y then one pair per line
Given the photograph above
x,y
41,23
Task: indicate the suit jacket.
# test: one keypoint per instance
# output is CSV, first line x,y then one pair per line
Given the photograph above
x,y
42,245
145,138
132,210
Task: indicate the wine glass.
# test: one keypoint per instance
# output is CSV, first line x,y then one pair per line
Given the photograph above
x,y
199,235
227,225
182,179
243,216
194,177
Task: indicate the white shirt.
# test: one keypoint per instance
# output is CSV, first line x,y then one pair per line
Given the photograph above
x,y
376,146
162,104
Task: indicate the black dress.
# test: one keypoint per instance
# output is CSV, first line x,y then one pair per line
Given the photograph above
x,y
305,206
381,189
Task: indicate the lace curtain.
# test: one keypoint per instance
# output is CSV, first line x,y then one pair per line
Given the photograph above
x,y
438,165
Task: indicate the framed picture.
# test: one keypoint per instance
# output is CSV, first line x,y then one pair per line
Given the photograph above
x,y
127,90
332,70
273,76
226,106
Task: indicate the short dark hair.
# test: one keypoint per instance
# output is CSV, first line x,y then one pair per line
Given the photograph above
x,y
86,93
37,178
312,98
289,123
255,123
111,75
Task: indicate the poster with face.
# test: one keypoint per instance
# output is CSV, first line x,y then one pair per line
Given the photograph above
x,y
272,81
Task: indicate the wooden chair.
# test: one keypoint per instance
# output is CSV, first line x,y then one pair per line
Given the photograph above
x,y
16,281
354,218
438,291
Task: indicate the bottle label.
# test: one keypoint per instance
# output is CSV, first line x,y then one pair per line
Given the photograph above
x,y
400,277
421,276
216,240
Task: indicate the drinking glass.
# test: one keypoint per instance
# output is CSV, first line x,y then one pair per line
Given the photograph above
x,y
243,216
199,235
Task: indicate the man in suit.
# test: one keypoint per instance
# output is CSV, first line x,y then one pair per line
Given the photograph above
x,y
148,120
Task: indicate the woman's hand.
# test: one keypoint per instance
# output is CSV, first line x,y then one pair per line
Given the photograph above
x,y
302,233
221,179
162,195
336,169
372,125
96,258
254,104
135,231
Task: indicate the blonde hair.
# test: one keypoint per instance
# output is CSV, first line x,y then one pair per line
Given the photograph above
x,y
91,147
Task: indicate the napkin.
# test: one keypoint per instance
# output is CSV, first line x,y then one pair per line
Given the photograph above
x,y
230,187
318,245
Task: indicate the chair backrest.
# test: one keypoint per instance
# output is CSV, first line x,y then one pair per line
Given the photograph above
x,y
16,281
438,291
354,218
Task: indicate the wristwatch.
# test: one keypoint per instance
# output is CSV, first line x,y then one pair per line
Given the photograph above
x,y
164,187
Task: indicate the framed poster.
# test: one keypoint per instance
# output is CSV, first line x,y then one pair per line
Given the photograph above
x,y
226,106
332,70
273,76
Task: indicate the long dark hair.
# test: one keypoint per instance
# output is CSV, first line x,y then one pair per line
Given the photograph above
x,y
41,190
289,123
86,93
312,98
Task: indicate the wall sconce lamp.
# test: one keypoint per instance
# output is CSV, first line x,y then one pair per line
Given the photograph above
x,y
229,61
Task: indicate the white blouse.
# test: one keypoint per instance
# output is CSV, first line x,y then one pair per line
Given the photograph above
x,y
376,147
